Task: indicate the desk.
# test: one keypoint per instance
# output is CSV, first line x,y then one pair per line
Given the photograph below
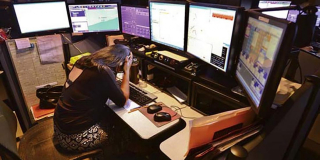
x,y
139,123
176,146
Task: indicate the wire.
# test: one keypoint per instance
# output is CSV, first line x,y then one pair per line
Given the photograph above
x,y
288,62
175,114
300,72
71,43
155,92
178,108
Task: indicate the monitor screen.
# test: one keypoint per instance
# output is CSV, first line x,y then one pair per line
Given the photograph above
x,y
168,24
86,18
210,32
41,16
135,21
293,14
260,65
272,4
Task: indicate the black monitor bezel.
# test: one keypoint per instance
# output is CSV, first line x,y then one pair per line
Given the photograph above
x,y
185,22
264,109
96,32
45,32
136,6
237,32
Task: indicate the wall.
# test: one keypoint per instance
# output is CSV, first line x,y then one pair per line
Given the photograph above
x,y
32,73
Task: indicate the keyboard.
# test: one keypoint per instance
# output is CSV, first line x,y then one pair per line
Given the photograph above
x,y
315,45
139,95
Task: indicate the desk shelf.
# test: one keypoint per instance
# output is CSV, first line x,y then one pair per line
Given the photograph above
x,y
213,85
210,101
164,77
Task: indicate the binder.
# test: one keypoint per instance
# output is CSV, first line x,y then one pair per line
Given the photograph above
x,y
206,129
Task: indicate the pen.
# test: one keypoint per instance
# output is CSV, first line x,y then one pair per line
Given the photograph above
x,y
135,109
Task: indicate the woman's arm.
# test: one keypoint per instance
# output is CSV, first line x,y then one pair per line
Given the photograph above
x,y
125,80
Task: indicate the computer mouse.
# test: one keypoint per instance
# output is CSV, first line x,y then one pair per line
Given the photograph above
x,y
154,108
161,117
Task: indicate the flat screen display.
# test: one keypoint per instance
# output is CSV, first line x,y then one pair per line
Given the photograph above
x,y
168,24
210,31
293,15
41,16
135,21
259,51
272,4
86,18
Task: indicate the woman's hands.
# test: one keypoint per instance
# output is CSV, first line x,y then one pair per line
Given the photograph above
x,y
125,79
127,63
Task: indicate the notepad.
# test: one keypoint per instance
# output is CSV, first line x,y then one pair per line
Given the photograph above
x,y
41,113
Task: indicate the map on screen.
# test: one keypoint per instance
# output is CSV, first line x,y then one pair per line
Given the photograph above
x,y
94,18
98,19
210,33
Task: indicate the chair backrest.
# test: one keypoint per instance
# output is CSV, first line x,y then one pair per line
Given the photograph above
x,y
8,128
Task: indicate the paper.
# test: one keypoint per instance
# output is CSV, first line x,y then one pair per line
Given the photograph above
x,y
22,43
128,106
177,94
50,49
210,127
41,113
285,89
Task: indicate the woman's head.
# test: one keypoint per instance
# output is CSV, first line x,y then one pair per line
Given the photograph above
x,y
111,56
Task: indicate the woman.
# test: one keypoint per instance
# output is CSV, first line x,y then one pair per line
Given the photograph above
x,y
91,82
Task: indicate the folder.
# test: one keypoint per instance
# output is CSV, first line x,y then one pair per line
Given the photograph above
x,y
206,129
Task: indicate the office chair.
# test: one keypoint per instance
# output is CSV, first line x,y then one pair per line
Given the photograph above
x,y
36,143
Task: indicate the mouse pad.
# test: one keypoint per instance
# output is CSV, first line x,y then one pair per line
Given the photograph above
x,y
165,108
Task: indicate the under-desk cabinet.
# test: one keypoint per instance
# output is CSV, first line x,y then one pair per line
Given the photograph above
x,y
209,101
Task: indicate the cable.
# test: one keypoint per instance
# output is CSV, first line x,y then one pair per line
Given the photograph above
x,y
71,43
155,92
175,114
300,72
178,108
289,61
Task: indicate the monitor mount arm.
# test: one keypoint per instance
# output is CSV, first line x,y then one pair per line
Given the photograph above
x,y
308,8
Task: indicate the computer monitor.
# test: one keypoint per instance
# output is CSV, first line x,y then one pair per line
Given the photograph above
x,y
38,17
135,21
89,18
213,34
167,23
266,45
293,14
273,4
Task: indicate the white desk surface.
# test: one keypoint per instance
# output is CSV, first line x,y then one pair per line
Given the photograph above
x,y
176,146
138,122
